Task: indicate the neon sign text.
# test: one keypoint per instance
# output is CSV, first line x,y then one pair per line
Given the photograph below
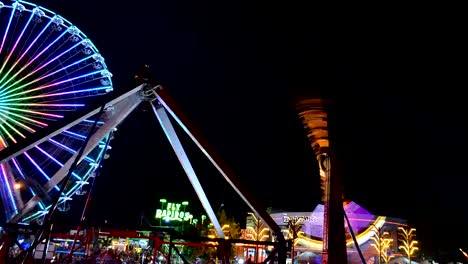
x,y
173,213
298,219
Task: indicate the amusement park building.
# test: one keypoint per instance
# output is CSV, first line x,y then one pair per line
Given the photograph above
x,y
365,225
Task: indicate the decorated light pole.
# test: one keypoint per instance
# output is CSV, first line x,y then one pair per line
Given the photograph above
x,y
381,243
294,225
257,231
409,245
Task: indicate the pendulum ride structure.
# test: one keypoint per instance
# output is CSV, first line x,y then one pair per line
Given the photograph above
x,y
57,114
164,107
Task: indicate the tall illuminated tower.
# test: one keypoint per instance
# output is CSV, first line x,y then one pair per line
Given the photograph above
x,y
314,114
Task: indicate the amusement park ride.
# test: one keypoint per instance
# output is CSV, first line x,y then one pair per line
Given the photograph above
x,y
58,114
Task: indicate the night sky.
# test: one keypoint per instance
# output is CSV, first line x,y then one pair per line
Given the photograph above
x,y
236,68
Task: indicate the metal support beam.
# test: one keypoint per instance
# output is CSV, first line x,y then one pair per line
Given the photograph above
x,y
57,128
171,135
337,253
121,108
170,105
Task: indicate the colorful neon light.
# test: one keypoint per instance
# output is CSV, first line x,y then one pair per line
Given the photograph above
x,y
173,212
6,184
48,69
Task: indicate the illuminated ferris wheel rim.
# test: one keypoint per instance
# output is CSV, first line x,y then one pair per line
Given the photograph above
x,y
59,21
40,11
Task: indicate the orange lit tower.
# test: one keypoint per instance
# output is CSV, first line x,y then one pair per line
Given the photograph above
x,y
315,114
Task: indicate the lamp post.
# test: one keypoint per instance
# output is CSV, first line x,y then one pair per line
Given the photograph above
x,y
163,201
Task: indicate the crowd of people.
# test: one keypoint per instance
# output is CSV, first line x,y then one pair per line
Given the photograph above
x,y
106,256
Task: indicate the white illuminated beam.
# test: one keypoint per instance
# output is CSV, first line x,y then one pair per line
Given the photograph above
x,y
185,162
72,123
215,164
122,107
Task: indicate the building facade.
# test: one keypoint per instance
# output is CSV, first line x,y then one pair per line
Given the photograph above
x,y
375,235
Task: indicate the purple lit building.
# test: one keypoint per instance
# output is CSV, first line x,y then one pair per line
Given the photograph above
x,y
367,227
316,231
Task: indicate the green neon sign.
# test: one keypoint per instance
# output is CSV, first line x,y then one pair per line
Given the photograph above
x,y
174,212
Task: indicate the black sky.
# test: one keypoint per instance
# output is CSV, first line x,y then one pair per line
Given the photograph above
x,y
235,68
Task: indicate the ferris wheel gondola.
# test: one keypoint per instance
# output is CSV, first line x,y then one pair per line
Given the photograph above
x,y
48,70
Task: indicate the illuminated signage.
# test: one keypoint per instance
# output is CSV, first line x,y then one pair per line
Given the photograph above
x,y
298,219
174,212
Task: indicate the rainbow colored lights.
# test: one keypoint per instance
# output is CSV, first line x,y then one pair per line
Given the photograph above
x,y
48,69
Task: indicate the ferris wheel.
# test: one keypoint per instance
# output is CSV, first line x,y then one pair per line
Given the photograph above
x,y
49,70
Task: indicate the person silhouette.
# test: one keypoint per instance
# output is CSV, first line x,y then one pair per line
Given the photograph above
x,y
249,260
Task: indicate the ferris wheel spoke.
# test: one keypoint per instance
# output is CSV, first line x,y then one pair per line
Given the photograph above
x,y
16,44
92,121
56,161
52,73
70,150
3,145
14,129
32,112
23,177
47,95
80,136
26,52
83,76
10,202
8,27
24,118
36,57
46,105
36,13
62,69
4,130
34,71
44,174
16,122
46,62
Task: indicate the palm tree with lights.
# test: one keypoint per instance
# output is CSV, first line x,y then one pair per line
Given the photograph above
x,y
257,230
381,242
409,244
294,226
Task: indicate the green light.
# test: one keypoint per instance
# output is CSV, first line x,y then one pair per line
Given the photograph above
x,y
173,211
